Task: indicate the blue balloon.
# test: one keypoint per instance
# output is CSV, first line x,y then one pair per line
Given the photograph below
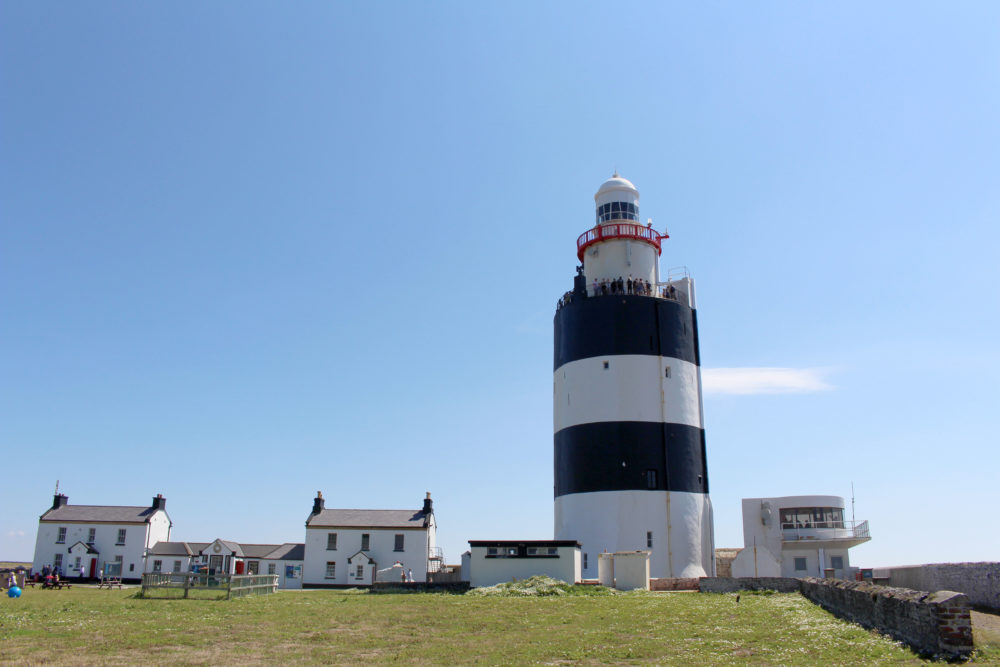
x,y
14,592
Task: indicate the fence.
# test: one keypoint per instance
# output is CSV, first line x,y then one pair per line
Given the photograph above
x,y
232,585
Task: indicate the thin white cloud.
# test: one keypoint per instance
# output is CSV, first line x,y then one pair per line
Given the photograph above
x,y
750,381
15,533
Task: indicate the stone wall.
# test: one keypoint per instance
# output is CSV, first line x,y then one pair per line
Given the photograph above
x,y
673,584
733,584
932,623
979,581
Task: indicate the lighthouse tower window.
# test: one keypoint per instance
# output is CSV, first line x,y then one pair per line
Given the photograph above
x,y
617,211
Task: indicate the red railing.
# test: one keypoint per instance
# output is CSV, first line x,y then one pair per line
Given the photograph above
x,y
618,230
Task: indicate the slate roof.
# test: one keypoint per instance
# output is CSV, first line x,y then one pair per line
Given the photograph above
x,y
368,519
100,514
287,551
173,549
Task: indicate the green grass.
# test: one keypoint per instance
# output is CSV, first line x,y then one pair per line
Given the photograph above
x,y
85,626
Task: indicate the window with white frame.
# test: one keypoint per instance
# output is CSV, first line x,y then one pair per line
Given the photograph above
x,y
331,541
61,537
360,572
121,537
76,564
157,566
57,561
366,541
91,536
177,566
331,570
272,568
399,542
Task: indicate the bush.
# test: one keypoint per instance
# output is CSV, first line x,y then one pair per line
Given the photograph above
x,y
539,586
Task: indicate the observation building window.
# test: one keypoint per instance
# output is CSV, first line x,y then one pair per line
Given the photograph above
x,y
812,517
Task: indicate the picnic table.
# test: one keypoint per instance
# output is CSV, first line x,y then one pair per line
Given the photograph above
x,y
109,582
52,582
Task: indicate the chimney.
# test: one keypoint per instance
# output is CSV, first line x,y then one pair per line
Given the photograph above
x,y
159,502
428,504
60,500
318,503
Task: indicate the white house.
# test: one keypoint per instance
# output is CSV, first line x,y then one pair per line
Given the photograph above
x,y
224,556
99,538
797,536
346,547
495,561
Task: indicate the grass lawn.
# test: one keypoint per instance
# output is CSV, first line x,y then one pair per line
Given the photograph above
x,y
85,625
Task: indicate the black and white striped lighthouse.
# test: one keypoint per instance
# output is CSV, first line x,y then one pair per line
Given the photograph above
x,y
630,464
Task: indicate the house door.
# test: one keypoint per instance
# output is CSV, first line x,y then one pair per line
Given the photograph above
x,y
93,568
239,567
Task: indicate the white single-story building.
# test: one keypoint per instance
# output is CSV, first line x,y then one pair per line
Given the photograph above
x,y
228,557
496,561
797,536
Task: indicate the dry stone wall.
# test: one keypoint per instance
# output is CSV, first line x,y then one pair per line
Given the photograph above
x,y
933,623
937,624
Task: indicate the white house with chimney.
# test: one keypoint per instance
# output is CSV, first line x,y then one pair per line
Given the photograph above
x,y
109,539
347,547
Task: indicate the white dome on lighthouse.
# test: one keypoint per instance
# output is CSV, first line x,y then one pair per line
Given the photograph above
x,y
616,184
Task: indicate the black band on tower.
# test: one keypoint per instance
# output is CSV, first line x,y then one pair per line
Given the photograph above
x,y
622,324
589,457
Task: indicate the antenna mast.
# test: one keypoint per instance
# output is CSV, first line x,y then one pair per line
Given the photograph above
x,y
852,502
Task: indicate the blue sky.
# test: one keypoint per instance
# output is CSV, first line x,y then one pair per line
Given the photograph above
x,y
251,250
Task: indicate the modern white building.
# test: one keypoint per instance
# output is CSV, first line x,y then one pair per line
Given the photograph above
x,y
495,562
228,557
99,538
631,470
346,547
798,536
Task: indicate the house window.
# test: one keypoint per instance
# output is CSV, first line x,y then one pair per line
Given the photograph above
x,y
272,568
666,372
585,561
606,365
650,479
649,539
253,567
331,570
76,564
61,539
800,564
91,536
361,572
177,566
157,566
837,562
399,542
331,541
366,540
131,567
57,561
121,536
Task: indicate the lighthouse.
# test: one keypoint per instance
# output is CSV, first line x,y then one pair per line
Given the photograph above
x,y
629,439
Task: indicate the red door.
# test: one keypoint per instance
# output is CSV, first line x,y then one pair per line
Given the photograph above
x,y
239,567
93,568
